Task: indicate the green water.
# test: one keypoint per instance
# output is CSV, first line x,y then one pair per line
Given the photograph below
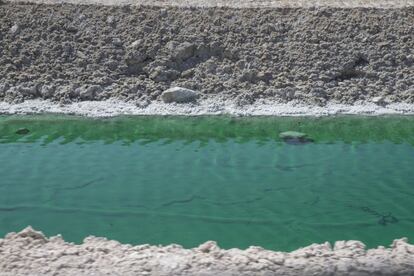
x,y
163,180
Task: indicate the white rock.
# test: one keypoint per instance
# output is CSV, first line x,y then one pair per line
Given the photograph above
x,y
110,20
179,95
29,232
15,29
135,44
208,246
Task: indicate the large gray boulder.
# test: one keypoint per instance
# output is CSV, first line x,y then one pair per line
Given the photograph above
x,y
179,95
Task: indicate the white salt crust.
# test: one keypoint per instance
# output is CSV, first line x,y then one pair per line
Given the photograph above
x,y
29,252
211,106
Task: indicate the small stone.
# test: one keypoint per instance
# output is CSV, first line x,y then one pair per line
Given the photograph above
x,y
208,247
110,20
3,88
47,91
163,12
117,42
188,73
135,44
28,91
249,76
88,92
15,29
379,101
264,76
162,74
143,103
181,51
135,57
29,232
22,131
245,99
64,101
179,95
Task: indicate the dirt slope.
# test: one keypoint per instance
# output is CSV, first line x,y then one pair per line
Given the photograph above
x,y
69,53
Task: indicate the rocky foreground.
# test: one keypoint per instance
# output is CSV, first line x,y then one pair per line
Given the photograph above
x,y
31,253
67,53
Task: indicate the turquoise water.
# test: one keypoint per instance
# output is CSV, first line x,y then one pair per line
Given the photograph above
x,y
165,180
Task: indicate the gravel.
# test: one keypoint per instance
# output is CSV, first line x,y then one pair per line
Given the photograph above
x,y
317,56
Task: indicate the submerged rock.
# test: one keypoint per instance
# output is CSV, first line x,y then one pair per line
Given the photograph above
x,y
179,95
22,131
295,137
292,134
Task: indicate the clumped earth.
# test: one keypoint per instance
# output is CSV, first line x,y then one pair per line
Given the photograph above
x,y
70,53
29,252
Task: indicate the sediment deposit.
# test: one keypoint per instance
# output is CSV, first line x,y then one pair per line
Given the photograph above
x,y
30,253
316,56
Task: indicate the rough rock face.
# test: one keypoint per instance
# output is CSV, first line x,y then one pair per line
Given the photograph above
x,y
30,253
69,53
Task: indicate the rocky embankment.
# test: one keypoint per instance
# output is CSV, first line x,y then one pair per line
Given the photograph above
x,y
68,53
30,253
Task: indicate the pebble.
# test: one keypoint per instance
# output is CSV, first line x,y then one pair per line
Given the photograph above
x,y
117,42
15,29
379,101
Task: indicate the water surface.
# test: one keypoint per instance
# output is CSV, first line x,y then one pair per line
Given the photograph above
x,y
163,180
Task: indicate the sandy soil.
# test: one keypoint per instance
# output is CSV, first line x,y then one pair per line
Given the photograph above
x,y
30,253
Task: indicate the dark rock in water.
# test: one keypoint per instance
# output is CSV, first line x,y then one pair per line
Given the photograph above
x,y
292,134
386,219
295,138
22,131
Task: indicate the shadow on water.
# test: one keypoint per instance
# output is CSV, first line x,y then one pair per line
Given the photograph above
x,y
127,130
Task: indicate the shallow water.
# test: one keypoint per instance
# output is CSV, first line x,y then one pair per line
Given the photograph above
x,y
163,180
